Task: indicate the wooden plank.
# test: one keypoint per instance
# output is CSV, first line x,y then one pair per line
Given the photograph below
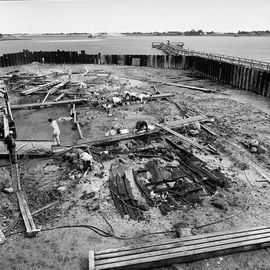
x,y
26,215
165,95
24,146
184,242
59,97
79,130
6,125
180,249
190,87
39,105
8,106
91,260
49,92
181,136
15,174
189,255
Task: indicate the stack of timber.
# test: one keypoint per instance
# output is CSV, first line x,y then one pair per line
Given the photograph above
x,y
55,88
39,88
188,249
122,194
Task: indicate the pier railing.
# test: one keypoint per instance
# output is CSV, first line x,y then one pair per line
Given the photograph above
x,y
176,50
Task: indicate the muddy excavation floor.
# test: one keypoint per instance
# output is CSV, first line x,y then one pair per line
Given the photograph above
x,y
237,117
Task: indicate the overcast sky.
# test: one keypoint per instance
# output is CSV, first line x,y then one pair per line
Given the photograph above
x,y
40,16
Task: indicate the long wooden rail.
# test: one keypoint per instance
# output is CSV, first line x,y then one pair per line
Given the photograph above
x,y
192,248
30,226
177,50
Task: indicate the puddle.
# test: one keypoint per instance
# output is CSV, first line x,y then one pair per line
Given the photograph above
x,y
34,125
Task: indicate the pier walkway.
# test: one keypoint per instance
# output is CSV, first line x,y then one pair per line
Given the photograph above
x,y
176,50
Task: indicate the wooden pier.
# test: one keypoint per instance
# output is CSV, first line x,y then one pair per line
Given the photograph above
x,y
245,74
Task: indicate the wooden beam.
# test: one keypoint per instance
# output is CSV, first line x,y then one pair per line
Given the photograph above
x,y
15,174
165,95
40,105
59,97
8,106
91,260
205,128
79,130
183,138
190,87
30,226
6,125
49,92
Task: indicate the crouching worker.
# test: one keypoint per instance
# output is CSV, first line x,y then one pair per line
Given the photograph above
x,y
141,126
9,141
87,161
55,131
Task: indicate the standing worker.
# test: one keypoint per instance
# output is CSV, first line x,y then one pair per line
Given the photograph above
x,y
55,132
9,141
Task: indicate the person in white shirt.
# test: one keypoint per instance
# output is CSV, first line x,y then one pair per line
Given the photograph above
x,y
55,131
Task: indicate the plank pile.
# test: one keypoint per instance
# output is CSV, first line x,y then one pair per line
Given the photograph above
x,y
40,87
187,249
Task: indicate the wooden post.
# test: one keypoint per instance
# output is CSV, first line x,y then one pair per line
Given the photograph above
x,y
267,87
247,79
255,81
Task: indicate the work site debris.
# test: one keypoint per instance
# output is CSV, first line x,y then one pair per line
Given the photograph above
x,y
185,181
121,192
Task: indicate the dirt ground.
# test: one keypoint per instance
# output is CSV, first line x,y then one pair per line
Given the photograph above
x,y
239,116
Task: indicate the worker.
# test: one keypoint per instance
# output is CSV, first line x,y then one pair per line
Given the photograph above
x,y
87,160
9,141
141,126
55,132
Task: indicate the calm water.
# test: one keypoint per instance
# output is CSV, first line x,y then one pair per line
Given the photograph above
x,y
247,47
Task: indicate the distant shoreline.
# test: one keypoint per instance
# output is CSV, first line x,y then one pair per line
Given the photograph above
x,y
8,39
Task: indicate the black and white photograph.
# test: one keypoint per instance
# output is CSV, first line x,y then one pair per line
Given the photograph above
x,y
135,134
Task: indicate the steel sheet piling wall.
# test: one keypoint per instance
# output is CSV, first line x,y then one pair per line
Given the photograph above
x,y
247,78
